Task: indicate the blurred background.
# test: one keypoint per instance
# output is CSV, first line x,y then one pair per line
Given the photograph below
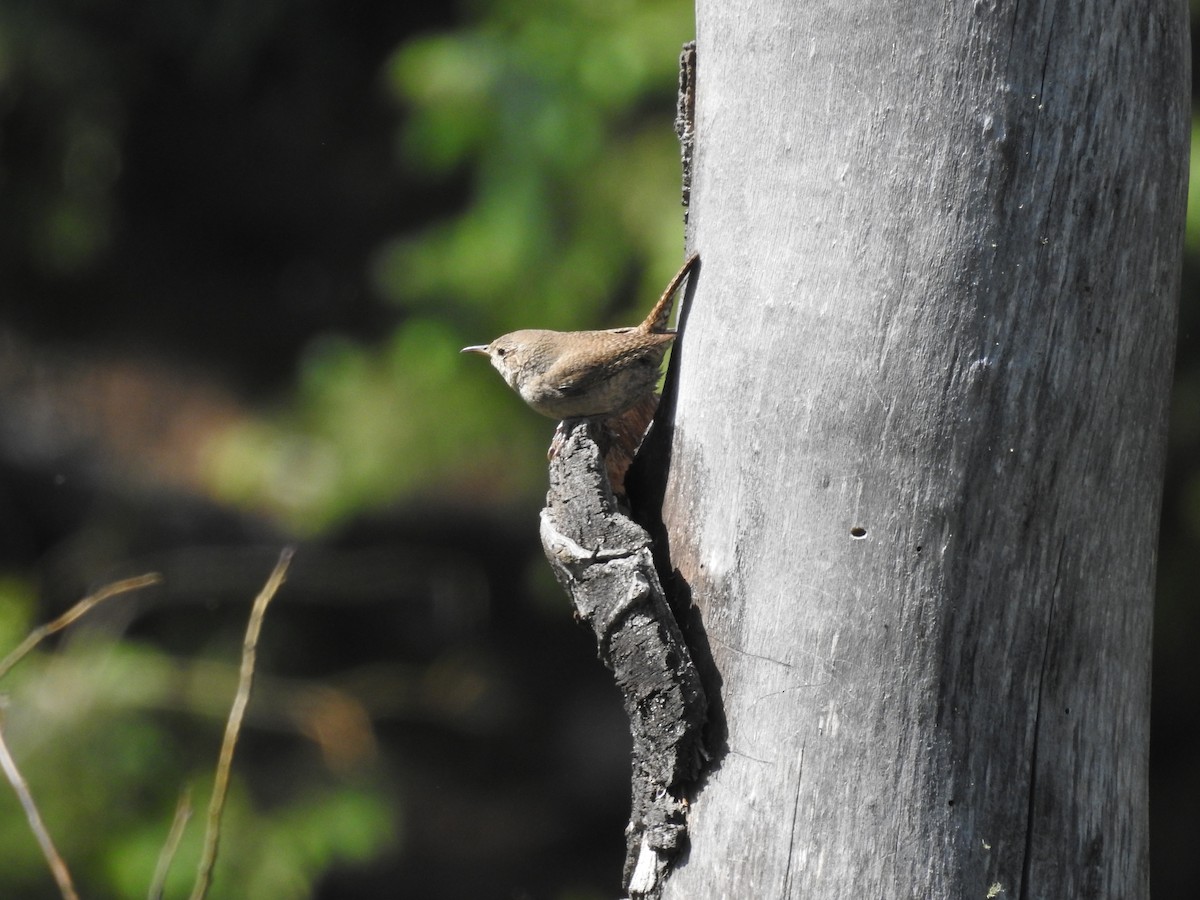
x,y
240,247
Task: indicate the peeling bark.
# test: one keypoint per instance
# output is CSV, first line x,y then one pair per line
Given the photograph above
x,y
603,560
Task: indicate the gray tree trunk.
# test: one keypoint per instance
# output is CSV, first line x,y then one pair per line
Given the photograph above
x,y
918,441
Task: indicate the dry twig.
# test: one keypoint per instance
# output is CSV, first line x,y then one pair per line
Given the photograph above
x,y
233,726
57,866
42,632
183,812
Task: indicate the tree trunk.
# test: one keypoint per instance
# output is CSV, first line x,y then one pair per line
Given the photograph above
x,y
918,441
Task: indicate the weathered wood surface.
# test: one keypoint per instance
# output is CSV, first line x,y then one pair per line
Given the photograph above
x,y
918,439
603,559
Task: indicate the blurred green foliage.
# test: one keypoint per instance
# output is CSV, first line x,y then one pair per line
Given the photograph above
x,y
559,117
1185,392
553,121
68,218
96,727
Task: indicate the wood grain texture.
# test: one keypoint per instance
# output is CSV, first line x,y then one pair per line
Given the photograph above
x,y
919,430
603,560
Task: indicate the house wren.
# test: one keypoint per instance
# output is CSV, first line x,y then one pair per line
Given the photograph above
x,y
577,374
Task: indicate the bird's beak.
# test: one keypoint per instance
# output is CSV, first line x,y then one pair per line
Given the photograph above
x,y
479,348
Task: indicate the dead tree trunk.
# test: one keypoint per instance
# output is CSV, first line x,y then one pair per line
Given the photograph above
x,y
918,438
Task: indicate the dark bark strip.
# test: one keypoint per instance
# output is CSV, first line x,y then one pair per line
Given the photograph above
x,y
685,117
602,558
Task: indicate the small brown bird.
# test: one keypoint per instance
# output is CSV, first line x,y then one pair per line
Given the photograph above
x,y
578,374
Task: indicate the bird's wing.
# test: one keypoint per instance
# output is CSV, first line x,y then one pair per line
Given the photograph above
x,y
575,373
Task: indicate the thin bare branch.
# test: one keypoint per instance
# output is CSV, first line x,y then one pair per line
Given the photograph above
x,y
183,812
58,866
42,632
233,726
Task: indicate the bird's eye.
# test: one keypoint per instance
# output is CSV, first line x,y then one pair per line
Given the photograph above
x,y
500,351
